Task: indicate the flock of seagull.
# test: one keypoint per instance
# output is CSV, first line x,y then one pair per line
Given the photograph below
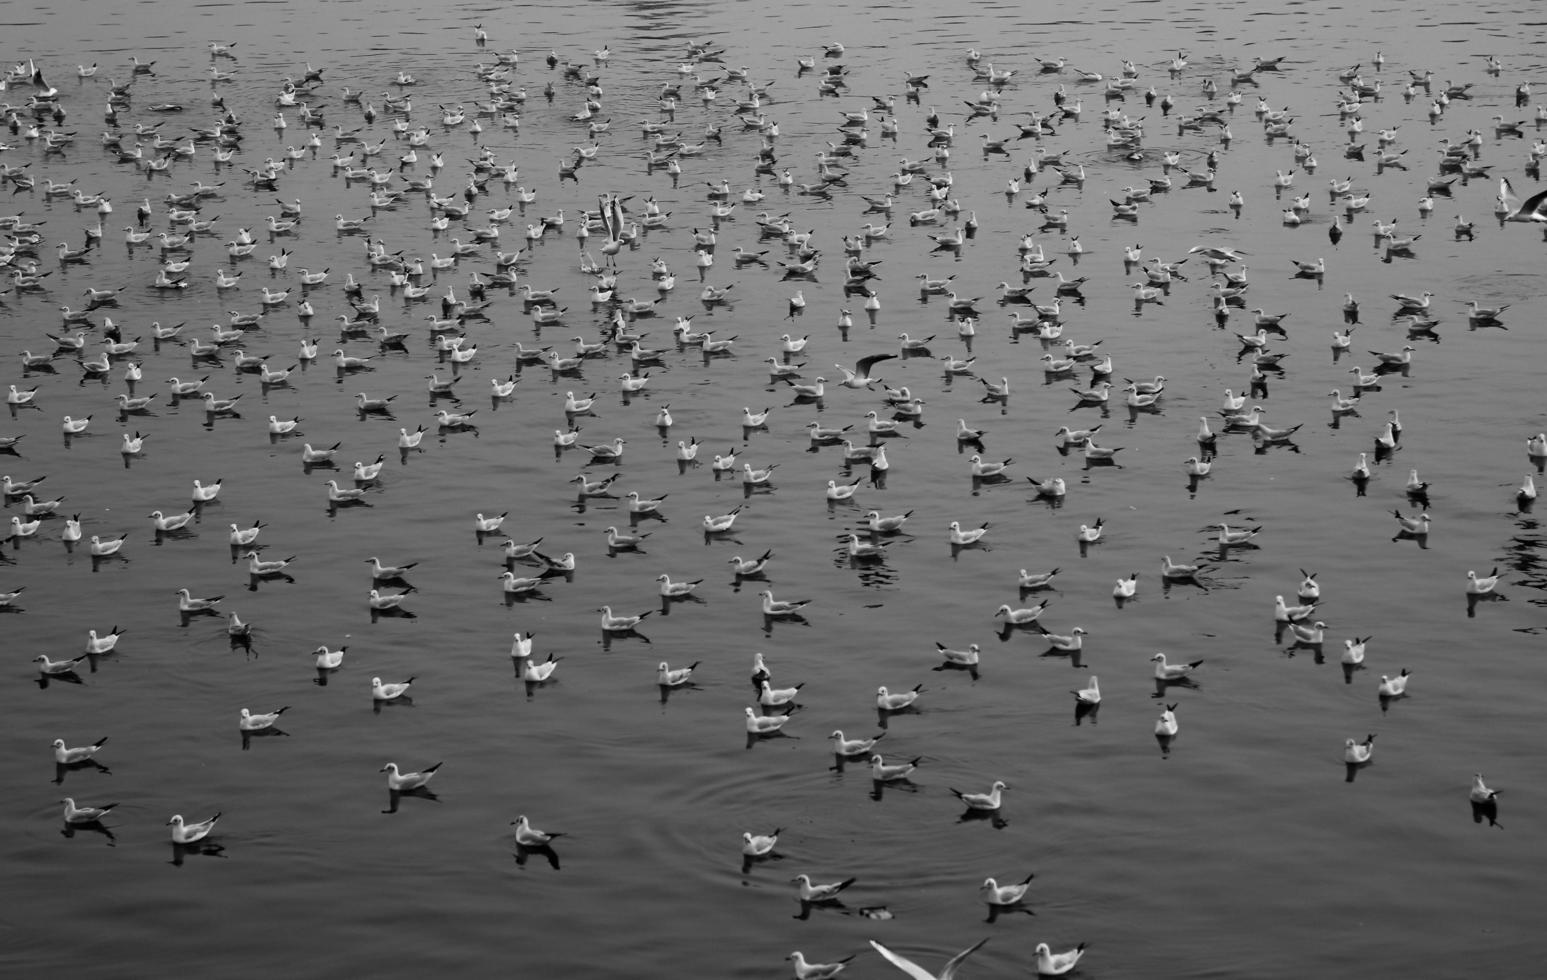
x,y
398,162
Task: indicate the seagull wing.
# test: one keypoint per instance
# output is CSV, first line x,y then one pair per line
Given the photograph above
x,y
956,961
906,965
864,364
1532,208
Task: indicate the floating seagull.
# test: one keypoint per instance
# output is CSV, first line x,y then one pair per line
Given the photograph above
x,y
1051,964
817,893
982,801
250,722
806,970
1090,694
1480,792
389,691
1394,687
529,836
191,833
760,845
402,782
78,815
996,894
1358,753
70,755
888,701
1172,672
1482,585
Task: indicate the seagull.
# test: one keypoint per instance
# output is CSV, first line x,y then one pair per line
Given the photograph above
x,y
982,801
620,624
529,836
887,701
1126,588
1090,694
1172,672
1023,615
389,691
917,972
1051,964
764,724
962,537
760,845
69,755
1394,687
1482,585
859,376
402,782
78,815
191,833
1533,208
781,607
816,893
1480,792
996,894
854,746
806,970
250,722
1358,753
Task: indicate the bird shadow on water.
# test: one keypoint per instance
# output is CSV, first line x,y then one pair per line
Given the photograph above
x,y
991,817
247,737
63,768
200,849
524,852
395,796
1486,810
69,830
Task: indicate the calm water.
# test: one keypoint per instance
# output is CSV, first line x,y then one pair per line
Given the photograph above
x,y
1244,852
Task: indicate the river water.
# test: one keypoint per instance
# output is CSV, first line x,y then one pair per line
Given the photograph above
x,y
1243,848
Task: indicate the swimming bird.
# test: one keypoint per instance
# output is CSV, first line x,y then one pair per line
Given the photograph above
x,y
806,970
849,747
249,722
1394,687
1090,694
1358,753
764,724
982,801
1480,793
1412,526
815,893
962,537
668,676
747,567
1172,672
389,691
191,833
70,755
1482,585
79,815
1024,615
529,836
889,701
994,893
1051,964
50,667
760,845
403,782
